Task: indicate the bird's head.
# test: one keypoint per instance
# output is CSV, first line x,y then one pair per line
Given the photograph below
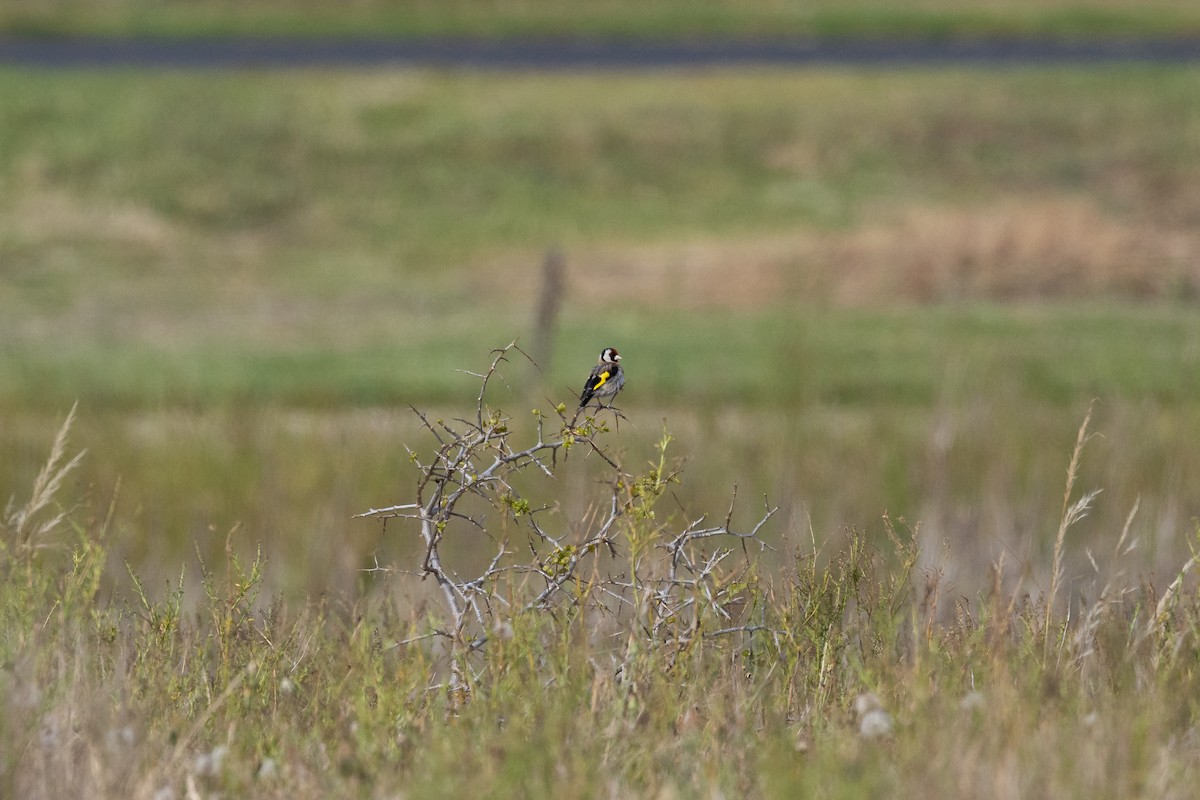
x,y
610,355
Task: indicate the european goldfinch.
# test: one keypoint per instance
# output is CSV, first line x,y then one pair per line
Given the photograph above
x,y
606,379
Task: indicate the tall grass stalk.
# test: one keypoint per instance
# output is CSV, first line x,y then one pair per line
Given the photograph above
x,y
1071,513
23,528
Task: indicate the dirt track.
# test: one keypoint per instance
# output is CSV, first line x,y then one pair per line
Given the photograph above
x,y
569,54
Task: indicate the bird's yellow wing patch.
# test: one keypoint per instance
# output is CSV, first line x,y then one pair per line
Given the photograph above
x,y
601,379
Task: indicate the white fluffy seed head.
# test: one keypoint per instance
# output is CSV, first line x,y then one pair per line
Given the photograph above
x,y
973,701
875,724
873,721
866,702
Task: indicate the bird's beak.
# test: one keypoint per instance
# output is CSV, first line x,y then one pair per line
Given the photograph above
x,y
616,358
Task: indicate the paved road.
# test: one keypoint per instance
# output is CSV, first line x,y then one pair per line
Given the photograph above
x,y
544,54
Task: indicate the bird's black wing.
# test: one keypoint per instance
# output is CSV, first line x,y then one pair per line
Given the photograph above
x,y
595,381
589,389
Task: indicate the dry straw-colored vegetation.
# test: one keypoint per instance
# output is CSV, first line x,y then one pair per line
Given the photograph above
x,y
1019,249
633,650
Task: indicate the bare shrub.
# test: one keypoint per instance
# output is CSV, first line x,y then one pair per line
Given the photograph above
x,y
670,582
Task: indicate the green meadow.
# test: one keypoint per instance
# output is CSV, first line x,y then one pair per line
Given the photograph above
x,y
823,18
883,301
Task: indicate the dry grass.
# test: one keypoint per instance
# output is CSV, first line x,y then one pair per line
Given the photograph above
x,y
1060,248
858,677
1018,248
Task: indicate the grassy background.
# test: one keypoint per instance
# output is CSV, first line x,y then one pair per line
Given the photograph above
x,y
822,18
918,279
856,292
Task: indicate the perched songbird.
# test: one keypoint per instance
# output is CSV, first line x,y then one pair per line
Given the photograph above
x,y
606,379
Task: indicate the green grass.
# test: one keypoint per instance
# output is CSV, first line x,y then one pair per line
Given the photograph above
x,y
1055,355
300,218
952,418
427,166
823,18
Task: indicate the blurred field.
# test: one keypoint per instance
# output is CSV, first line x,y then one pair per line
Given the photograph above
x,y
854,291
937,18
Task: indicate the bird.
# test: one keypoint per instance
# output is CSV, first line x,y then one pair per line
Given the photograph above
x,y
606,379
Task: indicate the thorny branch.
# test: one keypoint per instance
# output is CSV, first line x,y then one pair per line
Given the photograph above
x,y
477,470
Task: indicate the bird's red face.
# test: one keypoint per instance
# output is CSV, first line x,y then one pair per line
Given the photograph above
x,y
610,355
